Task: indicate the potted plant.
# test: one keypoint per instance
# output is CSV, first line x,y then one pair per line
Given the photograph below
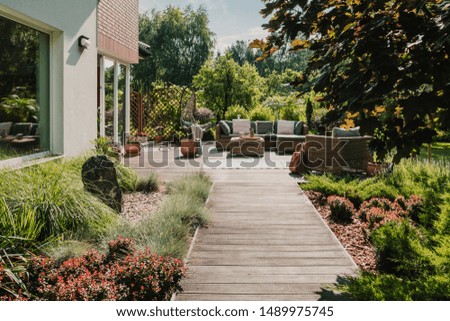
x,y
133,146
189,147
104,147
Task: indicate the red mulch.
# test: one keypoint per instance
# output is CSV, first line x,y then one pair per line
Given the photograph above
x,y
353,236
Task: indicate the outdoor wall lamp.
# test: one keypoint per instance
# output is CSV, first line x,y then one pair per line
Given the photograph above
x,y
83,42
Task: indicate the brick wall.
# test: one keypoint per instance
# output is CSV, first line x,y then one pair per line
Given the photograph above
x,y
118,29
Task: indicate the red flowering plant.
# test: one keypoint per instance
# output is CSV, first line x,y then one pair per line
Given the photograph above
x,y
378,211
121,274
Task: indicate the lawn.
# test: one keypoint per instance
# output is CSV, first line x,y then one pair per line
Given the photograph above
x,y
439,151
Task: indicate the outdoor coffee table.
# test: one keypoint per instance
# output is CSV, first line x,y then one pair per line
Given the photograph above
x,y
247,146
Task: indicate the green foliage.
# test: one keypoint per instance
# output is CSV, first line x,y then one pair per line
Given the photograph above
x,y
413,257
387,287
399,249
236,112
261,113
127,178
342,209
196,185
148,184
19,109
53,195
281,61
363,60
180,42
223,83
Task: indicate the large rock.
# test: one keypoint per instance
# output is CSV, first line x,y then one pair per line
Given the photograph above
x,y
100,178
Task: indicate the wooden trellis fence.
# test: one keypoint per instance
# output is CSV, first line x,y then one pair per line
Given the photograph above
x,y
156,113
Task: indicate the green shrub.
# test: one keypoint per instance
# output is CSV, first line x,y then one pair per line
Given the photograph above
x,y
342,209
388,287
148,184
399,249
235,112
261,113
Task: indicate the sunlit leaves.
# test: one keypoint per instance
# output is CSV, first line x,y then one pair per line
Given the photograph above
x,y
369,54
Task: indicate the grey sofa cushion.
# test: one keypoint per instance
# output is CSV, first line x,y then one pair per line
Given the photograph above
x,y
225,129
341,132
264,127
230,124
298,128
21,128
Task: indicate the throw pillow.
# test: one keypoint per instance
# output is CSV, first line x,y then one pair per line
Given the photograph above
x,y
241,125
224,128
264,127
341,132
298,128
285,127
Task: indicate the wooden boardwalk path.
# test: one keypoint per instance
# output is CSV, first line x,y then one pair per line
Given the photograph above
x,y
265,242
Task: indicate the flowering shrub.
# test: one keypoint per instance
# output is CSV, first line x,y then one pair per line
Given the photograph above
x,y
122,274
341,208
378,211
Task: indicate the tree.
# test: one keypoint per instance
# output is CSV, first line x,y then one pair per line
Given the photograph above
x,y
279,62
382,64
223,83
180,42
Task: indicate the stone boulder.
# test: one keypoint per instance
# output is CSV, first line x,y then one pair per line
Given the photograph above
x,y
100,178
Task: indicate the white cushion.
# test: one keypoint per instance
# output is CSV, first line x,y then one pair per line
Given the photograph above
x,y
5,128
241,125
285,127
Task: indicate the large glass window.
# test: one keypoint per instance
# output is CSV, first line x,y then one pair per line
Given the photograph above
x,y
24,90
109,101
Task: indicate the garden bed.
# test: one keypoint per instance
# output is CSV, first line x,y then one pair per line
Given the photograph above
x,y
351,235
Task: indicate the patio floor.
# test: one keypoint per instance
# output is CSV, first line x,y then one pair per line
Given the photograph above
x,y
265,242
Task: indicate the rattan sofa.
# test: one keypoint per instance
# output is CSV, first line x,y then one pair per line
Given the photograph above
x,y
272,140
336,154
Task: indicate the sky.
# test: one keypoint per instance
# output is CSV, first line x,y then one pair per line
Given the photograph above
x,y
230,20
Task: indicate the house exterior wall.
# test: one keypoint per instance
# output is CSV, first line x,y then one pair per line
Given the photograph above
x,y
118,29
73,72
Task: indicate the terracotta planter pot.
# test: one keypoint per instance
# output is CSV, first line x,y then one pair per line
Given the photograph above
x,y
376,168
189,148
132,149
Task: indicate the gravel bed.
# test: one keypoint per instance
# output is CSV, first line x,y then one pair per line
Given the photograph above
x,y
353,236
137,206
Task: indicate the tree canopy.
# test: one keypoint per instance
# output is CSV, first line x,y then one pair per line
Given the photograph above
x,y
180,42
381,64
223,83
279,62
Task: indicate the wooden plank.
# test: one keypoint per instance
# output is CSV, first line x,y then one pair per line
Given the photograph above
x,y
251,288
239,255
278,248
342,261
280,270
250,297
